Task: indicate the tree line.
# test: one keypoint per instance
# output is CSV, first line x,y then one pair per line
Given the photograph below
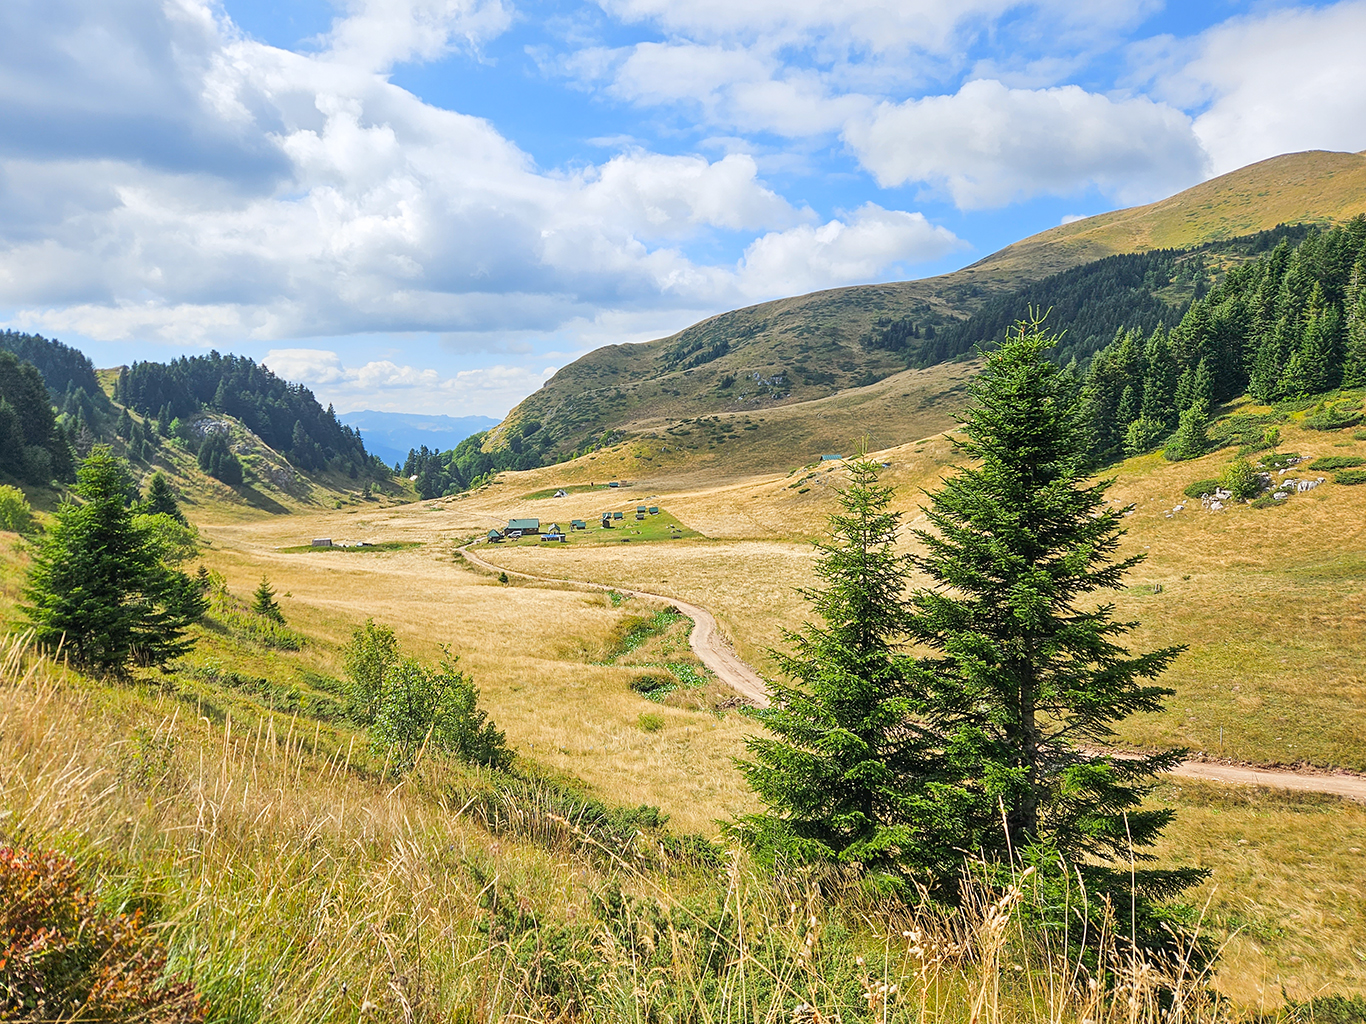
x,y
467,465
285,416
1290,324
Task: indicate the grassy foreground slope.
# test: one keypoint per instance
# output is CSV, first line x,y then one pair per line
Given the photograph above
x,y
797,349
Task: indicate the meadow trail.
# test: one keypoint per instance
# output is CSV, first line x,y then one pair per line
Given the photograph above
x,y
705,639
713,651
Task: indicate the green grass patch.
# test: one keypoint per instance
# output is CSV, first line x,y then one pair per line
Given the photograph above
x,y
659,527
1335,416
355,549
550,492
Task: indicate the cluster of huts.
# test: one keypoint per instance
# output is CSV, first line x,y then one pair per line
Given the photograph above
x,y
516,529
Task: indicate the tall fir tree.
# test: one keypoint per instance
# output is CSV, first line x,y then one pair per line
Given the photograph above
x,y
96,588
1354,354
843,770
1029,677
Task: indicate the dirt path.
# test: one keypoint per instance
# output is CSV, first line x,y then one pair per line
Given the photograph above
x,y
713,651
705,639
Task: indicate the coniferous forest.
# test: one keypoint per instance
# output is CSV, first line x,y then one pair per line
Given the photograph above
x,y
285,416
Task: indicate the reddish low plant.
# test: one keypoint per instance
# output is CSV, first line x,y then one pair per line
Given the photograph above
x,y
63,957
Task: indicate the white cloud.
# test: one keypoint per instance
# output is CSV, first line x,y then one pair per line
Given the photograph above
x,y
376,34
988,145
806,258
383,384
1278,82
874,25
290,195
673,196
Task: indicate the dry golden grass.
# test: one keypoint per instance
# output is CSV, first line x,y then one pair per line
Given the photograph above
x,y
1288,886
528,649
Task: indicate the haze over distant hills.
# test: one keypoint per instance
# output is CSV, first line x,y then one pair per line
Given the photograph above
x,y
391,434
808,347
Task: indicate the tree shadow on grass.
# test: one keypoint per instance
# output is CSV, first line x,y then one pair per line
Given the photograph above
x,y
256,499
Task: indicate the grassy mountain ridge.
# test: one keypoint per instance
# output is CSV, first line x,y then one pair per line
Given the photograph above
x,y
806,347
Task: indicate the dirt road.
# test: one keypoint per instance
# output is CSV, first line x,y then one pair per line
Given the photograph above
x,y
713,651
705,639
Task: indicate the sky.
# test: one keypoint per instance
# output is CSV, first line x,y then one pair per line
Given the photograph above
x,y
430,205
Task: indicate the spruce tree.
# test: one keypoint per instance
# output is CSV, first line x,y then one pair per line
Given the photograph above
x,y
1029,677
96,588
264,603
842,771
161,499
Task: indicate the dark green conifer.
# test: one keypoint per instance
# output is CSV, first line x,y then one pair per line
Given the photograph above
x,y
161,499
96,589
1029,677
842,771
264,603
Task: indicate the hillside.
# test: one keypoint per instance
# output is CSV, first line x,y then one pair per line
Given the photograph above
x,y
798,349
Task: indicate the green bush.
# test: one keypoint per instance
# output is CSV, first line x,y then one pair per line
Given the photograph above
x,y
1332,417
1200,488
1240,478
420,707
1350,476
1337,462
367,657
16,514
1280,460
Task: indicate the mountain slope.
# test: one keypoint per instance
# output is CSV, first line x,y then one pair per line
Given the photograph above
x,y
807,347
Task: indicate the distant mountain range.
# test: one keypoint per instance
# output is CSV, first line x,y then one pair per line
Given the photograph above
x,y
391,434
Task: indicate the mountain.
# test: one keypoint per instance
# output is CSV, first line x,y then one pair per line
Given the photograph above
x,y
811,346
391,435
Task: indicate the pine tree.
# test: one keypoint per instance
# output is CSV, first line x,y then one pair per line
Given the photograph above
x,y
1354,357
1029,676
842,772
96,589
161,499
264,603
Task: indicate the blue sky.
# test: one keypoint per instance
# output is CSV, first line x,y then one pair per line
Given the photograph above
x,y
429,205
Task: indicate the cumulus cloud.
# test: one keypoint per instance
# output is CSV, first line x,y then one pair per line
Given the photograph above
x,y
346,205
988,145
1274,83
842,251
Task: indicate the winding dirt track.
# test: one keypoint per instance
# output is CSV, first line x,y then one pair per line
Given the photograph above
x,y
705,639
713,651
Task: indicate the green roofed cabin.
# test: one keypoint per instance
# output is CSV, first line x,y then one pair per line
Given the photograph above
x,y
495,537
617,515
525,525
577,524
832,458
654,510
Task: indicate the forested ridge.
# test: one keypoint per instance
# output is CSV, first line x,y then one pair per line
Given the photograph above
x,y
285,416
1290,324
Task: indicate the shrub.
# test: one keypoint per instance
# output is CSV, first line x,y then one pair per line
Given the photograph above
x,y
1350,476
1332,417
1337,462
15,512
63,957
1200,488
367,657
1280,460
649,722
1240,478
422,707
